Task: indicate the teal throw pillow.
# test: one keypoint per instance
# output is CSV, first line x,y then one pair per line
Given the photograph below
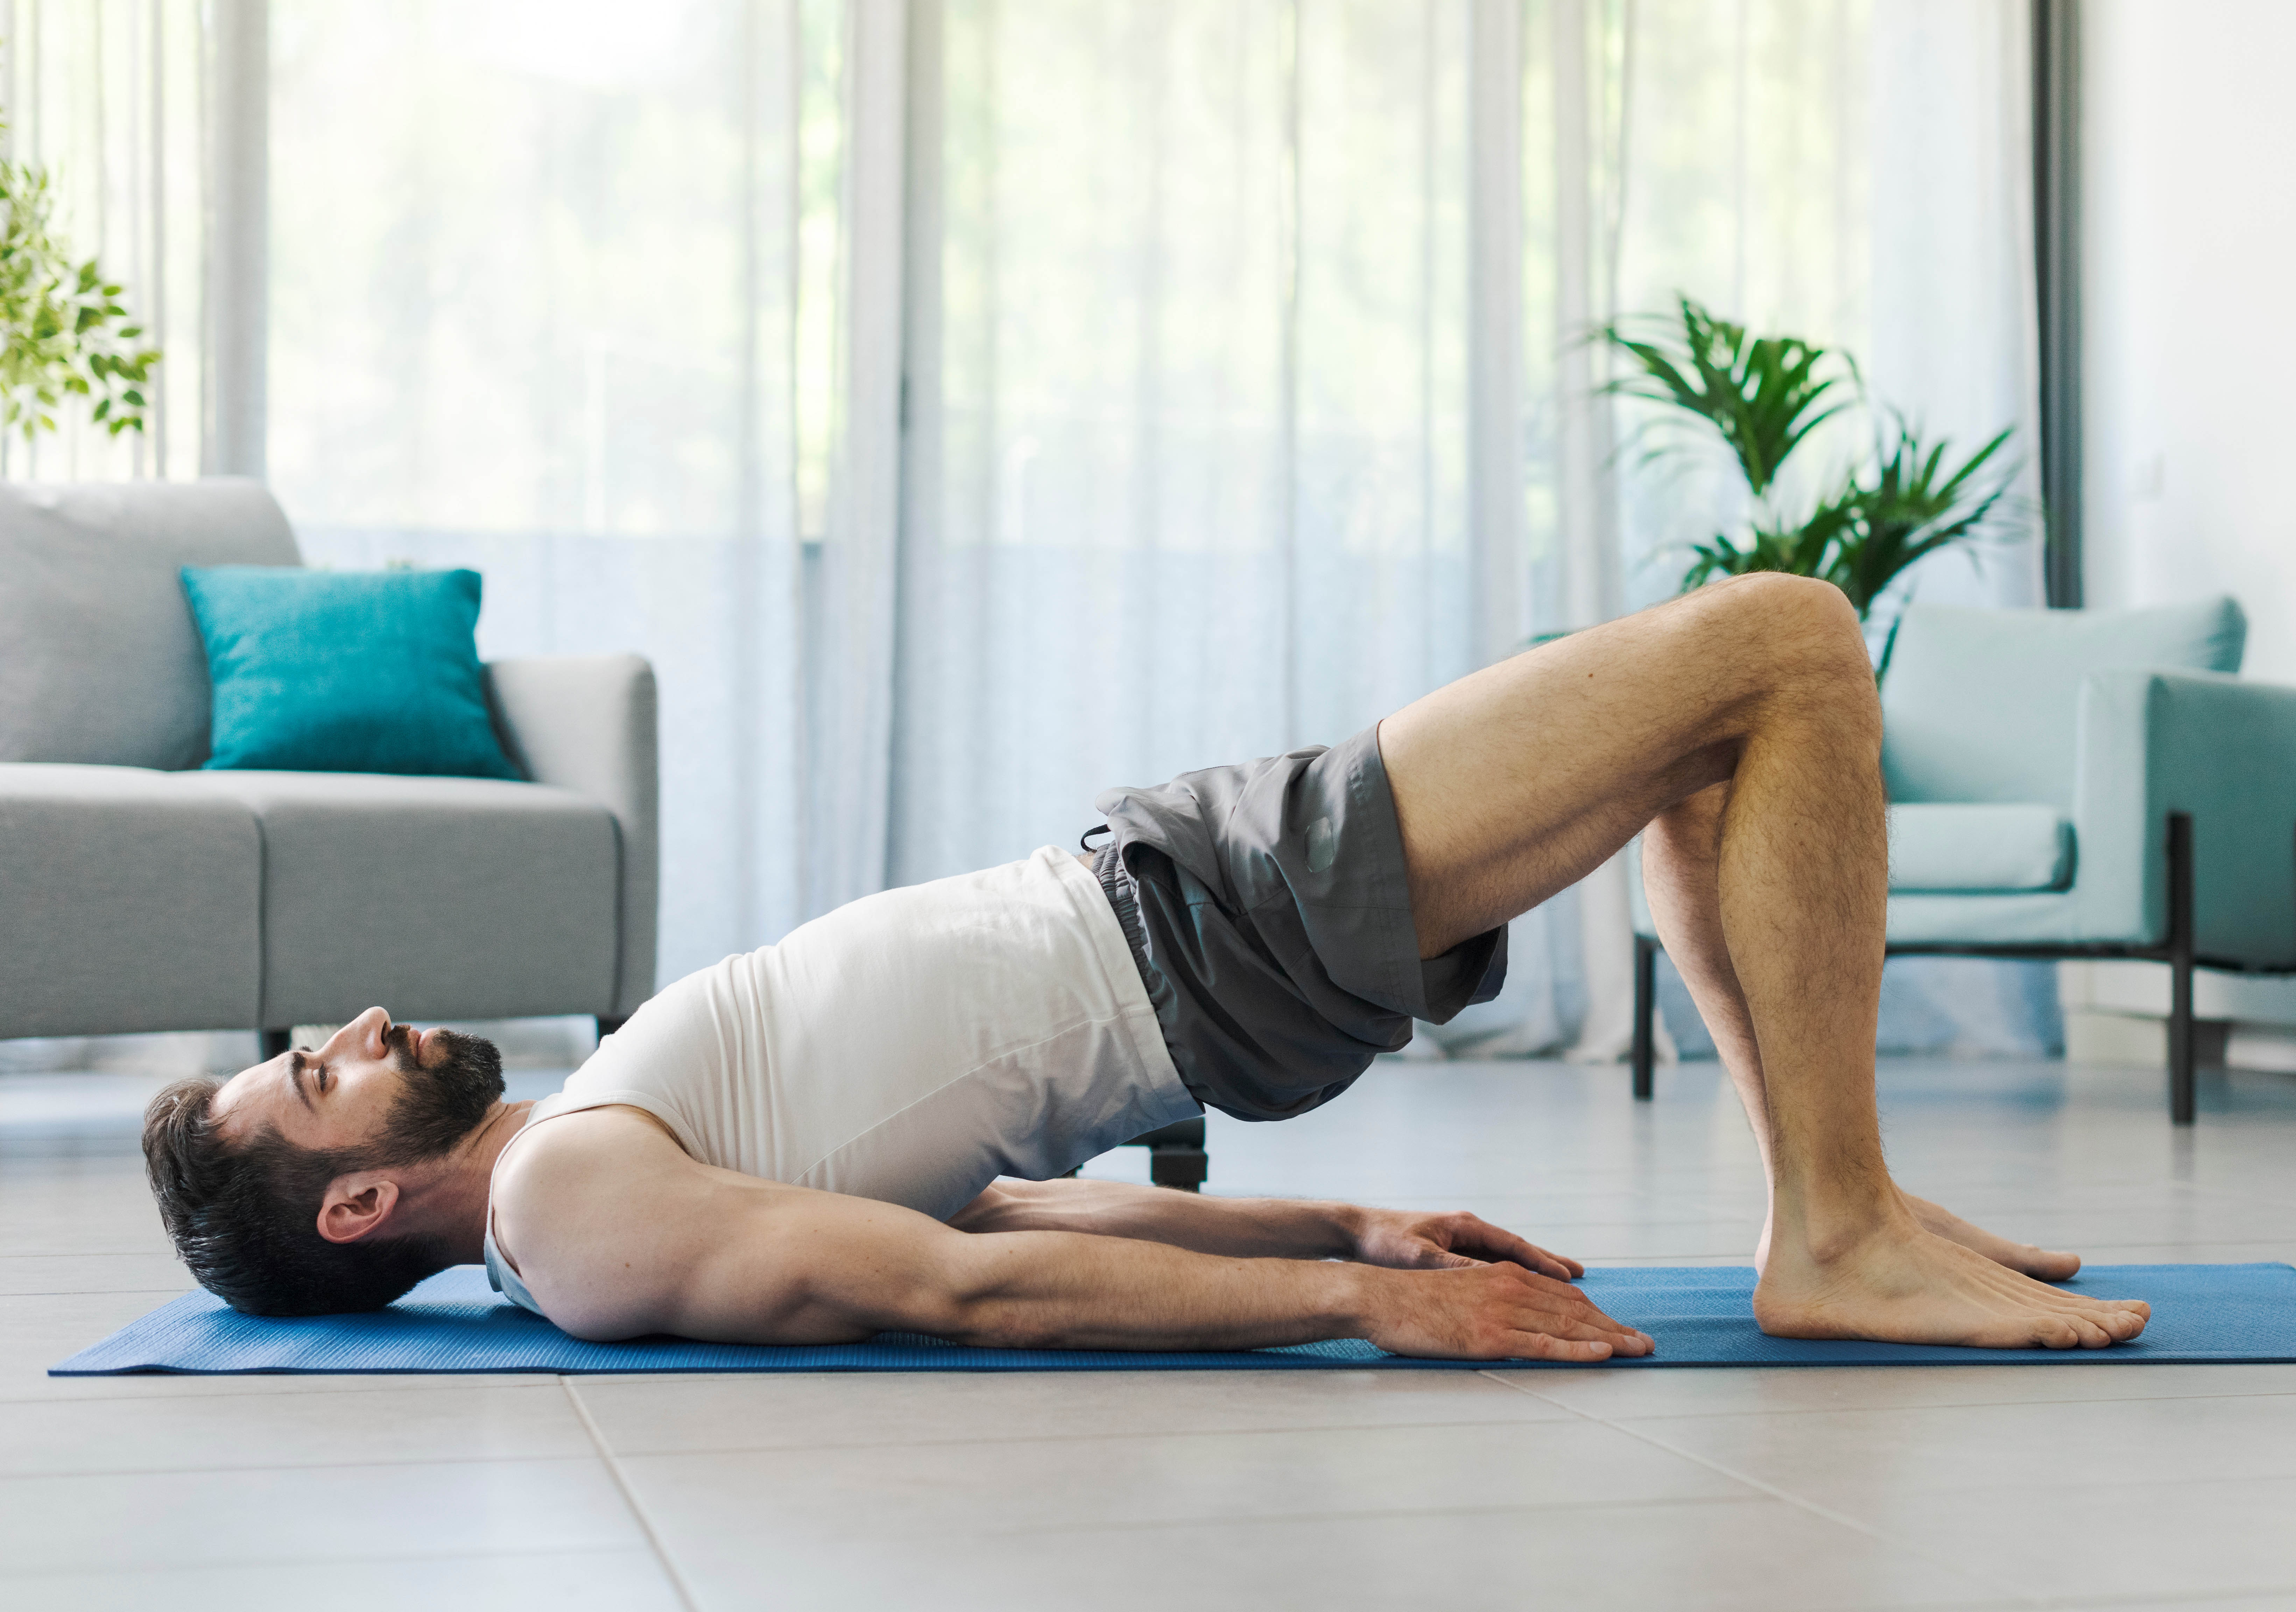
x,y
346,672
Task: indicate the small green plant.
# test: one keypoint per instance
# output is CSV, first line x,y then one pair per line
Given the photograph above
x,y
64,331
1764,396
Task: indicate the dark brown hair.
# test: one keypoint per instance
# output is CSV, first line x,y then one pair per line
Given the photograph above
x,y
244,1217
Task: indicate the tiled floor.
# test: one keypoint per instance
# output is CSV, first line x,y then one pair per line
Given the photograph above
x,y
2091,1486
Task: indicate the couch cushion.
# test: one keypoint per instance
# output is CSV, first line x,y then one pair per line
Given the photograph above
x,y
435,897
1970,849
346,671
99,661
128,901
1980,704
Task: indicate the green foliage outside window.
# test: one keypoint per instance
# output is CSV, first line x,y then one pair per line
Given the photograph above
x,y
1764,396
64,331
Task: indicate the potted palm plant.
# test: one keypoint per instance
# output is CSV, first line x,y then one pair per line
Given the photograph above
x,y
1764,395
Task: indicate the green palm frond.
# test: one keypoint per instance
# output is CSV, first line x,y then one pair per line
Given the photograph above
x,y
1763,395
1916,507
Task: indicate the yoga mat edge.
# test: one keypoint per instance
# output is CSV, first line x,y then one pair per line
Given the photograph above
x,y
1702,1315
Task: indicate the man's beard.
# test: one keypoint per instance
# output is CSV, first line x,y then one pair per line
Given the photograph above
x,y
440,1105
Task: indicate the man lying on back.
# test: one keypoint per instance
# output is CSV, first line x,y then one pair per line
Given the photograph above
x,y
862,1128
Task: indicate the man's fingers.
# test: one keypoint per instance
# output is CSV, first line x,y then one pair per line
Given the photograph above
x,y
1533,1257
1583,1325
1461,1252
1584,1320
1625,1339
1468,1233
1496,1242
1569,1300
1554,1286
1546,1346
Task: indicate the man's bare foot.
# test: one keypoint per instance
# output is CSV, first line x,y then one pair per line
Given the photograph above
x,y
1900,1284
2043,1264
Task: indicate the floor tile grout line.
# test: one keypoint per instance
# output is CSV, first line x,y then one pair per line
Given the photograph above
x,y
8,1476
235,1564
406,1382
972,1440
629,1497
2200,1600
67,1474
1401,1513
1841,1519
102,1292
1943,1404
2195,1189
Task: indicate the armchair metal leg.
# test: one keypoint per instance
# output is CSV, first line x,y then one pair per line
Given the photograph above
x,y
1645,1052
2180,968
270,1043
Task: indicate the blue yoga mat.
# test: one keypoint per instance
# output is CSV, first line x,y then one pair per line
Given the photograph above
x,y
1700,1315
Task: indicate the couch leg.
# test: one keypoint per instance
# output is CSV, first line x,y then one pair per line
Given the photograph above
x,y
607,1027
1176,1157
1645,1052
2180,968
270,1043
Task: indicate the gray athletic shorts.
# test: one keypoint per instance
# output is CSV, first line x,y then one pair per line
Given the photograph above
x,y
1269,913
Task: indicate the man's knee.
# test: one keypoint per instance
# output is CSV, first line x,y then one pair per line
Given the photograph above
x,y
1795,632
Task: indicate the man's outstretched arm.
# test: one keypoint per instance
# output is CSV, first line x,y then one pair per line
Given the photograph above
x,y
681,1247
1283,1228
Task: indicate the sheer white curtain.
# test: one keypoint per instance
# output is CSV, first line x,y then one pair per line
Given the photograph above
x,y
1857,172
1188,476
1191,326
537,292
970,404
111,98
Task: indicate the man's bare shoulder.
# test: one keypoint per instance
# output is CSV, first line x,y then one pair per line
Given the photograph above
x,y
580,1199
605,1218
567,1158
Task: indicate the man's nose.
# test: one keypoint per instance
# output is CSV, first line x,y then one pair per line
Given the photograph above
x,y
366,1030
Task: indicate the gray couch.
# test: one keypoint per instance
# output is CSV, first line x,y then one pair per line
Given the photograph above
x,y
137,893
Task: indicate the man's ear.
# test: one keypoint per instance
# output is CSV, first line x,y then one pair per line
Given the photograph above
x,y
356,1204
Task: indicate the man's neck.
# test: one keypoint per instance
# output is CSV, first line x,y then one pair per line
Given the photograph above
x,y
451,1205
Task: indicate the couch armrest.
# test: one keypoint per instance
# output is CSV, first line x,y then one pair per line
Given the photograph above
x,y
2222,750
587,724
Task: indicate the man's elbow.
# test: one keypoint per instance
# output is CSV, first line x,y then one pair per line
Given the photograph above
x,y
984,1212
982,1307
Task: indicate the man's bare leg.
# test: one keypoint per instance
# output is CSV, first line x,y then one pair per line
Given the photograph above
x,y
1681,874
1513,783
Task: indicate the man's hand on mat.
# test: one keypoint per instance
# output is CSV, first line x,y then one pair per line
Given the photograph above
x,y
1494,1312
1409,1240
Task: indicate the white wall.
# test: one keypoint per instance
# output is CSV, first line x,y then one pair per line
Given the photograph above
x,y
2189,263
2189,136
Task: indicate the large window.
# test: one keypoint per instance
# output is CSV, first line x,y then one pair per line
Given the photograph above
x,y
970,405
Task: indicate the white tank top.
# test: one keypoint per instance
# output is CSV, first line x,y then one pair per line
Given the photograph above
x,y
911,1046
